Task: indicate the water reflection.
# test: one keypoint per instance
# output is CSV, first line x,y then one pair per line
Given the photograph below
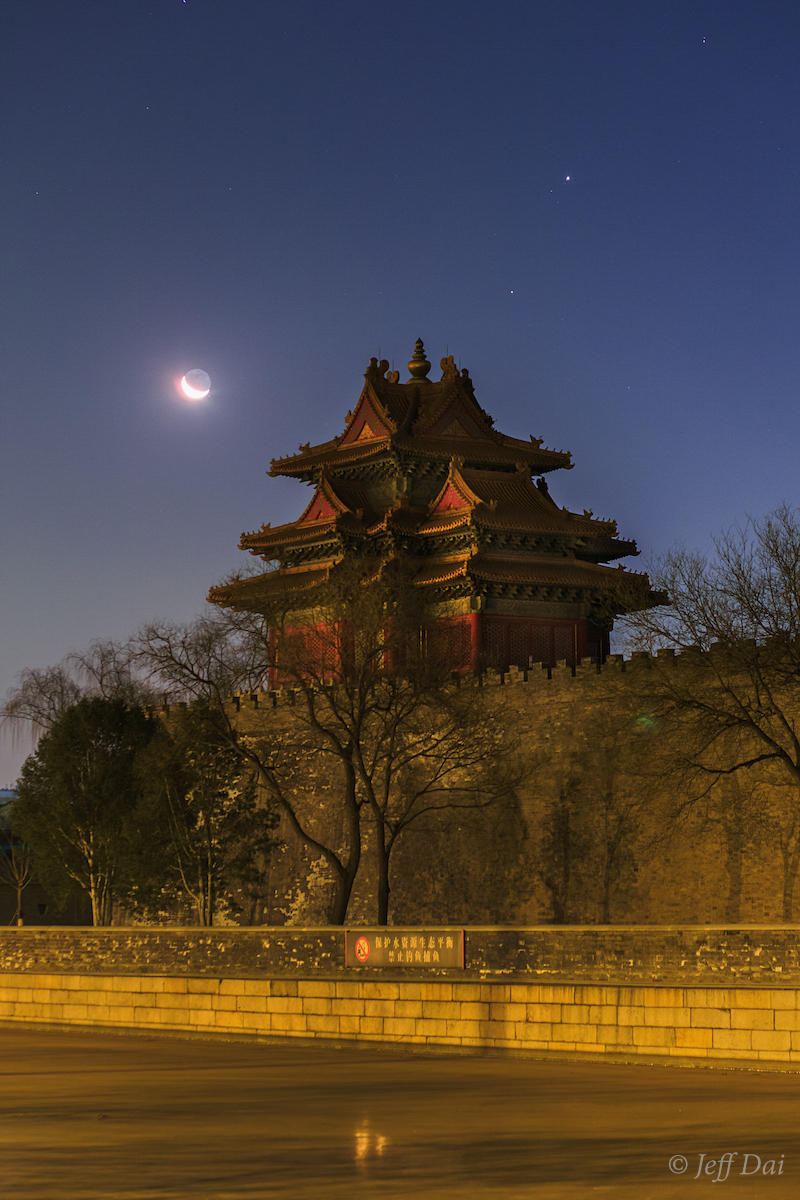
x,y
367,1145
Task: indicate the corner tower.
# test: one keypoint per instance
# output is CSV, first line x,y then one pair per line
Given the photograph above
x,y
420,473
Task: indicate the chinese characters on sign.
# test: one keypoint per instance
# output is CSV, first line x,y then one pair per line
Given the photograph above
x,y
389,948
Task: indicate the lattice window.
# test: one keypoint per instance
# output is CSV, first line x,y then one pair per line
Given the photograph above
x,y
518,643
448,642
564,643
495,642
460,644
540,644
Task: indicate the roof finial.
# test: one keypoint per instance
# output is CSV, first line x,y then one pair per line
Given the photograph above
x,y
419,365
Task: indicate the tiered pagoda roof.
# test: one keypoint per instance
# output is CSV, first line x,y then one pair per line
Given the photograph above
x,y
421,420
421,472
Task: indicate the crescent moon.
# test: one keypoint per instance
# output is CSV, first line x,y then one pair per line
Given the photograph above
x,y
192,393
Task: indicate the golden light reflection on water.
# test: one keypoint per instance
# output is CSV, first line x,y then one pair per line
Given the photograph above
x,y
367,1145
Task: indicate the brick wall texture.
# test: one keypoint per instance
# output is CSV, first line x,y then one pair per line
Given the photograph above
x,y
709,956
756,1024
602,826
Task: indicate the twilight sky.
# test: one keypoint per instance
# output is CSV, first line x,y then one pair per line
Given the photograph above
x,y
594,207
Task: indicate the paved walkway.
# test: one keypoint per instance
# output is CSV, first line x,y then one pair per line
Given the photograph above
x,y
104,1117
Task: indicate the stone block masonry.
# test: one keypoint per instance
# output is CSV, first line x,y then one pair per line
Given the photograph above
x,y
752,1024
569,727
711,993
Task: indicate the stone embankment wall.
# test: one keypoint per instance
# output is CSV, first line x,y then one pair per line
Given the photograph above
x,y
709,993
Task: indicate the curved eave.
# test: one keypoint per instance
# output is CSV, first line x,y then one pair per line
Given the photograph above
x,y
522,571
483,450
556,458
454,518
599,547
330,453
260,591
549,570
474,450
564,525
441,570
268,544
599,550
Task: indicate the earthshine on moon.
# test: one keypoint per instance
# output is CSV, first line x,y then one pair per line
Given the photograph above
x,y
196,384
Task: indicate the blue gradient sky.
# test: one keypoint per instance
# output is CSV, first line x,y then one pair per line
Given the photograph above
x,y
593,207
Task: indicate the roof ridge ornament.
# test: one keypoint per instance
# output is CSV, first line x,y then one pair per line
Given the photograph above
x,y
467,382
449,369
418,364
380,370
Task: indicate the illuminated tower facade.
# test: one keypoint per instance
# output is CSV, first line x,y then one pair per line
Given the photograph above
x,y
419,472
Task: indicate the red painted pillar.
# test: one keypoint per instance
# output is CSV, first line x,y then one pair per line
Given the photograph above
x,y
474,641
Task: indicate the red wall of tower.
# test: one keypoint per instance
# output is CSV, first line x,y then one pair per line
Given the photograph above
x,y
478,640
508,641
467,642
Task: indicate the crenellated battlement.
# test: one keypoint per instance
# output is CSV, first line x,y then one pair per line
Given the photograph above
x,y
539,677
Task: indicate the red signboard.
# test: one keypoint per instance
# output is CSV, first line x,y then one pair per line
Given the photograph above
x,y
386,947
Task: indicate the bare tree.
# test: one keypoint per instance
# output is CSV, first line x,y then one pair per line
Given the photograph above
x,y
563,849
732,697
431,751
40,697
735,807
225,654
104,671
15,859
601,817
377,694
367,700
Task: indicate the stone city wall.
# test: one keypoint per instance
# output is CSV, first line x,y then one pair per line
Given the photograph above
x,y
591,760
590,756
711,993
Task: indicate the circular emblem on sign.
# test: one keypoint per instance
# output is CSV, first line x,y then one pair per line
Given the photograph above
x,y
362,949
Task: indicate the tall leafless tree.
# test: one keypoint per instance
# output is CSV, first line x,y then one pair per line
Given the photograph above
x,y
104,671
16,869
226,654
732,694
377,691
365,694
